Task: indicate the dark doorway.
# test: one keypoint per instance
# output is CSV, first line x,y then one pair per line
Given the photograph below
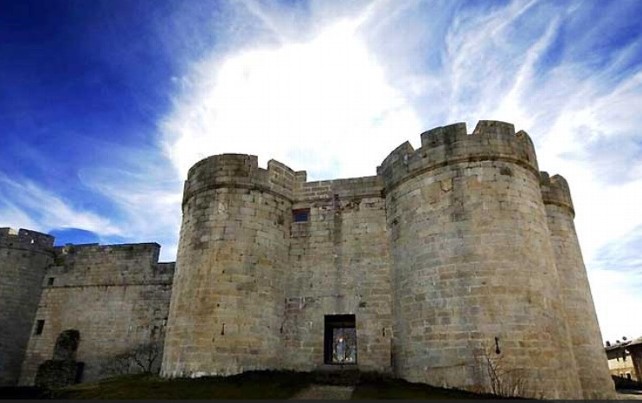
x,y
340,339
66,345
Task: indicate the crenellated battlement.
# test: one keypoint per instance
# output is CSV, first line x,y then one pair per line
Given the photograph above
x,y
149,248
555,190
122,264
490,140
459,245
26,239
242,171
79,252
327,190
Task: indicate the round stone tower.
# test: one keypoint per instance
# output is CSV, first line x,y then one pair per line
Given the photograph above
x,y
475,283
586,339
24,256
226,311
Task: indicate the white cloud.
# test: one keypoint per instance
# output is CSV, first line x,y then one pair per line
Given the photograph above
x,y
13,216
584,122
146,191
314,105
616,295
333,90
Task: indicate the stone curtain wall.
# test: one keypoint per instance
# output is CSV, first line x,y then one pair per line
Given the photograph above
x,y
585,333
24,256
116,296
252,286
339,264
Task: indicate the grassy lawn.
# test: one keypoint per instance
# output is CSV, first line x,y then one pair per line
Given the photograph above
x,y
250,385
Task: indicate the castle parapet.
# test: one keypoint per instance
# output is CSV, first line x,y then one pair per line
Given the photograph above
x,y
241,171
26,239
491,140
555,191
109,265
327,190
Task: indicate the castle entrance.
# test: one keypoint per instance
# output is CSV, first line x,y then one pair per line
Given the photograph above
x,y
340,339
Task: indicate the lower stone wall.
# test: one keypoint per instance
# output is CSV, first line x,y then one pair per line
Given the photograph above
x,y
112,320
21,271
116,297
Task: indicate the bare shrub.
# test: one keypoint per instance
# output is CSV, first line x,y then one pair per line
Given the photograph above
x,y
500,379
143,358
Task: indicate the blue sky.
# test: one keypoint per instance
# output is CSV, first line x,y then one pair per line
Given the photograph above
x,y
104,105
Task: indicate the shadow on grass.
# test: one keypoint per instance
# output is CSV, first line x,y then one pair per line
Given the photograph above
x,y
377,386
23,392
249,385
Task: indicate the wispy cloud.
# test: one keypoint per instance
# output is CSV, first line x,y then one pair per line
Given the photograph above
x,y
147,194
24,203
333,87
334,98
616,280
291,102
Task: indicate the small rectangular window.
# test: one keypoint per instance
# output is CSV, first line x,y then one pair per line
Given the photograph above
x,y
301,215
40,324
50,281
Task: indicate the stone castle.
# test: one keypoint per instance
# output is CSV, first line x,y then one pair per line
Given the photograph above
x,y
454,257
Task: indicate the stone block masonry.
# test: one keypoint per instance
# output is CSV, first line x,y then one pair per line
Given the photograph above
x,y
24,257
115,296
574,286
452,258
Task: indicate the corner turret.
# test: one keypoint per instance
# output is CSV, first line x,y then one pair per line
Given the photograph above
x,y
468,241
586,340
232,257
555,191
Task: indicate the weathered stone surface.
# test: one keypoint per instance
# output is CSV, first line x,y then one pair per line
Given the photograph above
x,y
575,290
115,296
454,258
445,258
24,257
226,313
473,263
